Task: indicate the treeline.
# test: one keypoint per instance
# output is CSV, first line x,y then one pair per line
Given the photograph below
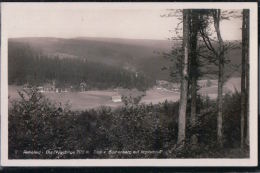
x,y
30,66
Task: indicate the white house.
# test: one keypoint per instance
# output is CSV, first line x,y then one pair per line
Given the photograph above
x,y
116,98
40,89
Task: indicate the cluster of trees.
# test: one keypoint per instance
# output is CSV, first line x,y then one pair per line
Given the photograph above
x,y
36,124
203,45
28,66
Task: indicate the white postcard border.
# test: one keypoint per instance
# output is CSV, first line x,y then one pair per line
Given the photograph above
x,y
252,161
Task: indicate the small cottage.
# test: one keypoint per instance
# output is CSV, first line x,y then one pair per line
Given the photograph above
x,y
40,89
117,98
58,90
83,86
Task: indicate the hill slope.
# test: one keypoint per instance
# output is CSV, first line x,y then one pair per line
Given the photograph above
x,y
132,54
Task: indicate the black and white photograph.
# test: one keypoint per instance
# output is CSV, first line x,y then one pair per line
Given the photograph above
x,y
130,84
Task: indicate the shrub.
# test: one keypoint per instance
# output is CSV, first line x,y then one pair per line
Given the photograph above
x,y
35,123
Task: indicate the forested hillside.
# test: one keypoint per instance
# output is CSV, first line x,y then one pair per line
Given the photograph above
x,y
27,65
140,55
133,54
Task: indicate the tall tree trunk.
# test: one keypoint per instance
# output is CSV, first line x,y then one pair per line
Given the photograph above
x,y
193,117
220,104
245,81
193,71
184,80
245,75
247,98
216,16
243,85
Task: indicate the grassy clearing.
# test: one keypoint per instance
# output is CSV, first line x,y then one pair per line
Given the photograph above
x,y
94,99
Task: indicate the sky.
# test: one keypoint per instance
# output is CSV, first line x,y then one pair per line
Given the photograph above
x,y
88,20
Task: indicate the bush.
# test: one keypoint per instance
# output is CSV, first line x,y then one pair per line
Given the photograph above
x,y
35,123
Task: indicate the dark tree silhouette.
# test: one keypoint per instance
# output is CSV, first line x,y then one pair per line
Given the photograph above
x,y
245,78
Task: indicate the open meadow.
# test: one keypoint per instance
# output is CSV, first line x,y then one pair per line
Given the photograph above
x,y
93,99
79,101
